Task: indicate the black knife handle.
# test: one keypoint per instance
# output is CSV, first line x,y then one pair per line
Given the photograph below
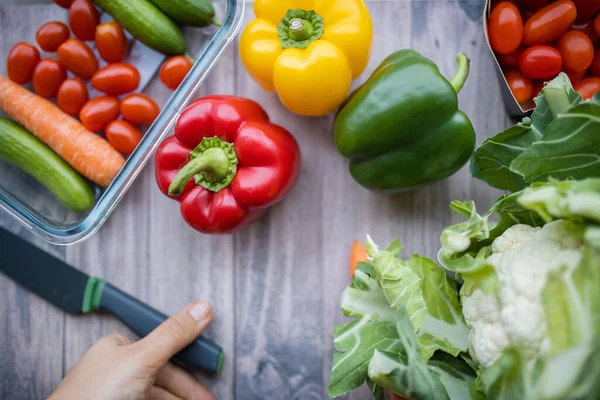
x,y
143,319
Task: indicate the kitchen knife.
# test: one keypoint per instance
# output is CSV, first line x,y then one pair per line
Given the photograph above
x,y
75,292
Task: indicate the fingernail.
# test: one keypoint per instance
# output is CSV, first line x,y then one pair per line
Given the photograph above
x,y
200,310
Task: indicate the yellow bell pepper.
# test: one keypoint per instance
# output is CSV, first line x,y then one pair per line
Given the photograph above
x,y
308,51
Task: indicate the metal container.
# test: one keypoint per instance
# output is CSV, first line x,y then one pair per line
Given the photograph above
x,y
513,107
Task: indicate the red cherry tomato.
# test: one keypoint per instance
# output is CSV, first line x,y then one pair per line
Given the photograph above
x,y
174,70
72,95
97,113
535,5
588,87
21,62
595,67
83,19
123,136
588,29
549,23
505,28
540,62
586,9
574,76
47,77
577,51
51,35
139,109
78,58
116,79
64,3
520,86
111,42
510,60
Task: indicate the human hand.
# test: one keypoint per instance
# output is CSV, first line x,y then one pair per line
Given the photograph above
x,y
118,368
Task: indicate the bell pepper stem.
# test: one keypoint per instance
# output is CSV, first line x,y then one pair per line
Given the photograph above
x,y
460,77
300,29
213,164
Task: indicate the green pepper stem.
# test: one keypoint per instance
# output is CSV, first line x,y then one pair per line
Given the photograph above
x,y
300,29
460,77
213,164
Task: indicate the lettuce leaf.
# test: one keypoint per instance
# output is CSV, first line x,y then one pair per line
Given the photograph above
x,y
558,141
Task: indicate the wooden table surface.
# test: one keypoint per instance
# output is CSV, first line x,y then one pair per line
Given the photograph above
x,y
275,287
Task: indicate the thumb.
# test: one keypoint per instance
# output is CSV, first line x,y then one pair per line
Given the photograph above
x,y
176,333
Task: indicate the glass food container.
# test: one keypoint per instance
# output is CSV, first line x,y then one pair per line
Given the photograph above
x,y
31,203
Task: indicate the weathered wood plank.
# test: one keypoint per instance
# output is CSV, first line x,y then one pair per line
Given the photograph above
x,y
31,337
184,265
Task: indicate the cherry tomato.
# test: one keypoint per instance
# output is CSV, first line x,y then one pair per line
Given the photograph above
x,y
540,62
520,86
97,113
72,95
64,3
577,51
116,79
535,5
47,77
510,60
588,29
111,42
21,62
595,67
51,35
549,23
174,70
597,24
83,19
505,28
78,58
139,109
586,9
574,76
588,87
123,136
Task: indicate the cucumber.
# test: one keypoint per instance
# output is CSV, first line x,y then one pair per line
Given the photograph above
x,y
23,150
147,24
199,13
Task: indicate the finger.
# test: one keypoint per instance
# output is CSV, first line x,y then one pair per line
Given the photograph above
x,y
176,333
180,383
114,340
157,393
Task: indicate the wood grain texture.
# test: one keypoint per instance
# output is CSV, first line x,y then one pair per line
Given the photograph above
x,y
275,286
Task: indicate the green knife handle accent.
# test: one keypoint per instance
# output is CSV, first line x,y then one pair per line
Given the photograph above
x,y
92,295
142,319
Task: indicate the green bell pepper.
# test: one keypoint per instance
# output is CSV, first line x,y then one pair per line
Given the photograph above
x,y
402,129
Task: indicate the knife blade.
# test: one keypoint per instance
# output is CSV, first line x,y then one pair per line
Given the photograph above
x,y
77,293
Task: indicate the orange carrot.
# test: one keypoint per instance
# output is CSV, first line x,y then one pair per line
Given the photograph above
x,y
357,255
92,156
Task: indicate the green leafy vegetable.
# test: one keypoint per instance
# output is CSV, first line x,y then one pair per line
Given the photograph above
x,y
558,141
528,312
382,295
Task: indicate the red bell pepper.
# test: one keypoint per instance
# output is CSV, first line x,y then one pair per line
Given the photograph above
x,y
226,163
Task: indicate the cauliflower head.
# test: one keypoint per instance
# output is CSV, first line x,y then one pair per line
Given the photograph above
x,y
522,257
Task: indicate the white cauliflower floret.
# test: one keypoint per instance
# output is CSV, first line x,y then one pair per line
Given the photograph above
x,y
522,257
